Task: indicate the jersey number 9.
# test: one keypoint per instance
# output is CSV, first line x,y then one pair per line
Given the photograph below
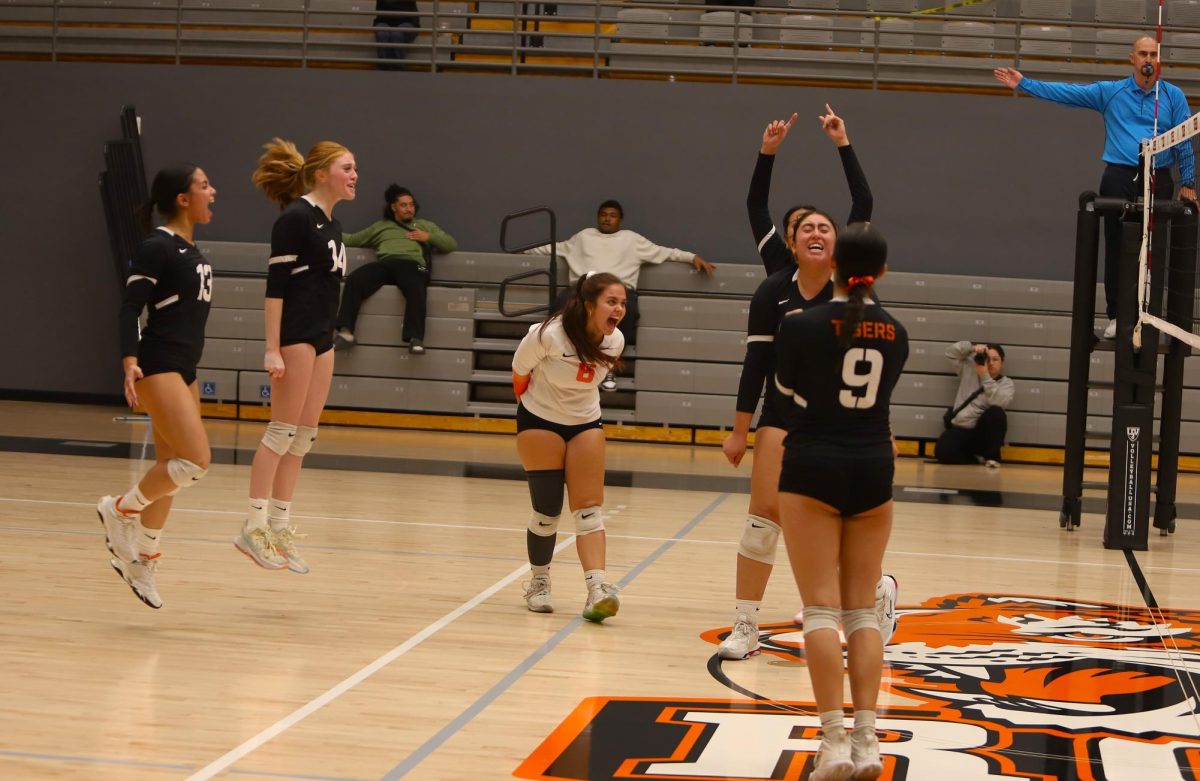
x,y
853,379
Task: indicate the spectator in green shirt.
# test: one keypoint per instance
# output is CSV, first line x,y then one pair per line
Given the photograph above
x,y
403,247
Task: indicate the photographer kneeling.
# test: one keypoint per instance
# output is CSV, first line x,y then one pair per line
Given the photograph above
x,y
977,423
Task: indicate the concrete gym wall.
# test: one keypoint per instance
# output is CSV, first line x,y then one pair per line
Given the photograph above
x,y
963,184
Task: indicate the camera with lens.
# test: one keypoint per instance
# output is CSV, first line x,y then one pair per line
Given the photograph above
x,y
981,358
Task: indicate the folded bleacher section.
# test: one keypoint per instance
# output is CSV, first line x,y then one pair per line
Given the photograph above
x,y
682,377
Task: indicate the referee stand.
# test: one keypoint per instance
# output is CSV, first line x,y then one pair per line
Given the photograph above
x,y
1135,371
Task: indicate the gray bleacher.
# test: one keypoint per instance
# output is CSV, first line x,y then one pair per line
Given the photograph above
x,y
685,368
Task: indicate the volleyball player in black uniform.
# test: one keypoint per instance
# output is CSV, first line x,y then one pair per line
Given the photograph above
x,y
775,250
169,277
798,264
836,366
308,260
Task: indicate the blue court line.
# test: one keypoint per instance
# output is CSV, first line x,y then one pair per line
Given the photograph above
x,y
162,766
91,760
465,718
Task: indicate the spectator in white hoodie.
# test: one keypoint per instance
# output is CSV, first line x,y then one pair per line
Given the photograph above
x,y
607,248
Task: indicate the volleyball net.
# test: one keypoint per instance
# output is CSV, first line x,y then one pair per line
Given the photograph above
x,y
1183,133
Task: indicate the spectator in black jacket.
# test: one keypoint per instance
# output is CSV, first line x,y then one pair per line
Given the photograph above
x,y
393,26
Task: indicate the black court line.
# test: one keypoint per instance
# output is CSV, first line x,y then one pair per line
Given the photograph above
x,y
1140,578
613,477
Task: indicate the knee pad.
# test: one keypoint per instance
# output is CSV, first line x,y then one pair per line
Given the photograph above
x,y
862,618
546,491
183,472
278,436
303,441
588,520
760,539
817,618
543,525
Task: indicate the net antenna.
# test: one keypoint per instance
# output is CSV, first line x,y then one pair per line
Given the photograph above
x,y
1181,133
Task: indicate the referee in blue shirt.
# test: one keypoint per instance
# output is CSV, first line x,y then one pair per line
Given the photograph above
x,y
1128,110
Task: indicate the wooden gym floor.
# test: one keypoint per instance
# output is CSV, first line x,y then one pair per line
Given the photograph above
x,y
1023,651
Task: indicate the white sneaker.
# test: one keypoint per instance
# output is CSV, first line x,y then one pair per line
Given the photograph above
x,y
742,642
833,762
537,594
118,529
139,574
885,607
602,603
992,463
285,544
259,546
864,752
609,383
1110,330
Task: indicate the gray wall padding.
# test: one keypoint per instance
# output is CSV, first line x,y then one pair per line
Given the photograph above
x,y
963,183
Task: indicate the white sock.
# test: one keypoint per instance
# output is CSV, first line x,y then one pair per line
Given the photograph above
x,y
279,515
134,501
747,608
540,570
864,719
256,515
147,540
594,577
832,723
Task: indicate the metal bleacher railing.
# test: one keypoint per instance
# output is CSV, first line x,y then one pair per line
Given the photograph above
x,y
867,42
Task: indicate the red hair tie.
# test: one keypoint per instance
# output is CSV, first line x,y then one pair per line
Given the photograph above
x,y
854,282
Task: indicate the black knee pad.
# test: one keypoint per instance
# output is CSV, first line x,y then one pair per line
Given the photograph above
x,y
546,490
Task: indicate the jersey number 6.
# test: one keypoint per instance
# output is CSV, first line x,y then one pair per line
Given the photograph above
x,y
586,373
853,379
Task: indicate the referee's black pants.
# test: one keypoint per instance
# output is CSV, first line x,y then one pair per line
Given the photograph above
x,y
365,281
967,445
1123,181
629,323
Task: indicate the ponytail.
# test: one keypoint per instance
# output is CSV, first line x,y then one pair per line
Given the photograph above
x,y
860,255
857,289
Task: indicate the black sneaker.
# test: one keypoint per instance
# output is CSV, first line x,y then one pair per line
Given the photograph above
x,y
342,343
609,383
416,347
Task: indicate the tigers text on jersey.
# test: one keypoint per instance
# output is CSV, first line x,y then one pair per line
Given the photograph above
x,y
776,295
563,389
839,396
308,260
172,279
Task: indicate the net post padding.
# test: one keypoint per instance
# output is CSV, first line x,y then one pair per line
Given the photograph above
x,y
1083,308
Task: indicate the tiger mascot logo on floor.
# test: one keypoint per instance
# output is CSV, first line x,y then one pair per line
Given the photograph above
x,y
976,686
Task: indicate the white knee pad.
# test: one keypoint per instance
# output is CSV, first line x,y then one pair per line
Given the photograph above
x,y
543,525
278,436
862,618
817,618
589,520
303,441
760,539
183,472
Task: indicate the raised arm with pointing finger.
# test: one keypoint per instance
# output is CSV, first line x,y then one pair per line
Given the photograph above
x,y
772,246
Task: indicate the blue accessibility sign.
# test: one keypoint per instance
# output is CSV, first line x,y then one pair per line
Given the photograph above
x,y
208,389
264,391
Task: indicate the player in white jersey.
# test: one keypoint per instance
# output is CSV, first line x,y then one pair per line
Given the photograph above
x,y
308,260
557,370
169,277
